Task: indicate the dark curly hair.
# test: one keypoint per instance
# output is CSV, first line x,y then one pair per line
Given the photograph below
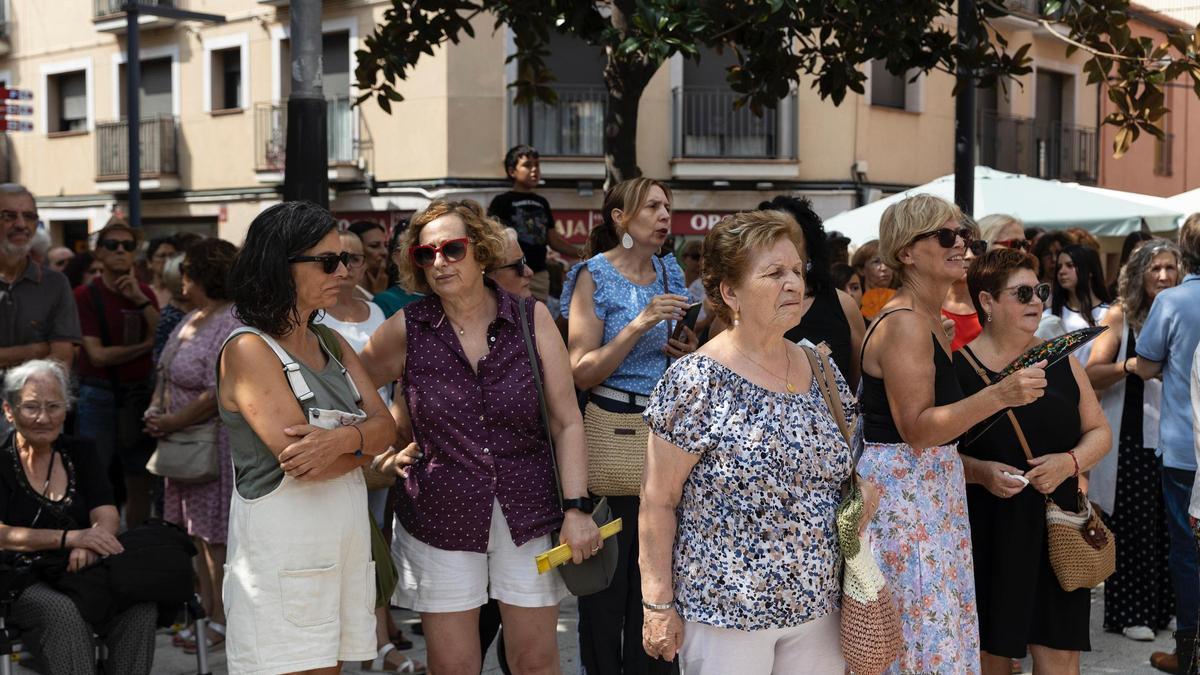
x,y
260,281
207,263
818,278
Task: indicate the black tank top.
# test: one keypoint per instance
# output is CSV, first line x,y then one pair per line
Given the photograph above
x,y
878,425
826,322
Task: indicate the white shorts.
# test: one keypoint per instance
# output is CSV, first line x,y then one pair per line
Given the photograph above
x,y
437,580
812,648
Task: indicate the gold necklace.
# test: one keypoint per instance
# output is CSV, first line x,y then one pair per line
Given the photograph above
x,y
787,378
461,331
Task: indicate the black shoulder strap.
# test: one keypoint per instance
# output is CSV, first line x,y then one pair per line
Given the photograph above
x,y
535,366
871,330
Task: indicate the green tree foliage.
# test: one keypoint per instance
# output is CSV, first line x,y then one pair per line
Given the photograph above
x,y
780,44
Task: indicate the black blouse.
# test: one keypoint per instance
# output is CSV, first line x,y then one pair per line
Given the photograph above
x,y
22,505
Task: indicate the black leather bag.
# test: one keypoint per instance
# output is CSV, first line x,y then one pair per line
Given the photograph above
x,y
596,573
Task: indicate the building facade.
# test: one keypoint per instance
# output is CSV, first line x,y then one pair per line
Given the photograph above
x,y
213,103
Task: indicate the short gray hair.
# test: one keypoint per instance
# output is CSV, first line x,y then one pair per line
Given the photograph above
x,y
16,189
18,376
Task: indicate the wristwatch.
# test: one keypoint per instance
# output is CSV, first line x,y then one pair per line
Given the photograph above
x,y
584,504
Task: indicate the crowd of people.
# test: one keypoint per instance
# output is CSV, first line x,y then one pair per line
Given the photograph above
x,y
407,417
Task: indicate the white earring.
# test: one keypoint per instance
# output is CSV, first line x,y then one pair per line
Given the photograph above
x,y
626,240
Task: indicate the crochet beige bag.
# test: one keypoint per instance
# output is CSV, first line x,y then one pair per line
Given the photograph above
x,y
871,637
616,445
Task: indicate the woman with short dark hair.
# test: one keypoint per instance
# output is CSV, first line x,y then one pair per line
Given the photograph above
x,y
1021,604
302,417
185,396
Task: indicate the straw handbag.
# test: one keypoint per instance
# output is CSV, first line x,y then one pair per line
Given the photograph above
x,y
1083,551
616,451
871,637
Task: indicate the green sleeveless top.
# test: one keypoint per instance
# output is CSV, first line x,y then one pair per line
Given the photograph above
x,y
256,469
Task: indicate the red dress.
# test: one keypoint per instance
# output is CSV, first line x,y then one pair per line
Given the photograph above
x,y
966,328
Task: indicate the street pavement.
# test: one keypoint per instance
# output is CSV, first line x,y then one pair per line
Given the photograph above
x,y
1111,653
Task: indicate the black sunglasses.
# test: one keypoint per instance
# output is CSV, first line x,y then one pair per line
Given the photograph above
x,y
946,237
517,266
113,244
1025,292
329,261
978,247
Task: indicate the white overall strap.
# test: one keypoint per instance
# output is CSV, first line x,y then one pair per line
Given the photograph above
x,y
291,369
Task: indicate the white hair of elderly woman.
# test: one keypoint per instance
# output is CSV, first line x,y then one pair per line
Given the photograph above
x,y
17,377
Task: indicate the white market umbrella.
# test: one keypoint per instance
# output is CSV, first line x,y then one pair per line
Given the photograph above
x,y
1187,202
1039,203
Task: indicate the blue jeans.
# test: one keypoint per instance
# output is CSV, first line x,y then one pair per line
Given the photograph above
x,y
1184,559
114,423
96,419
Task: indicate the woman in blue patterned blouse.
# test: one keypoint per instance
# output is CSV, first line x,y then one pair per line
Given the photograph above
x,y
743,473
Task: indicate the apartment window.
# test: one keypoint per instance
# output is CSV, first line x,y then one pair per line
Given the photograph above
x,y
226,78
887,89
156,94
67,94
572,126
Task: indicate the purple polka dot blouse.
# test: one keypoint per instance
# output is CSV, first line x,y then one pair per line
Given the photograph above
x,y
480,432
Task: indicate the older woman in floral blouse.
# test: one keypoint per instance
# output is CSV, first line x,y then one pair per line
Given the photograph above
x,y
743,474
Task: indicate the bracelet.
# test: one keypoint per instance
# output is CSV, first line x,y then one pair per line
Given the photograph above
x,y
1076,461
659,606
62,543
361,442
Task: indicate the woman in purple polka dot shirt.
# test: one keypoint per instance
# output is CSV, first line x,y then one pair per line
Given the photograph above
x,y
479,503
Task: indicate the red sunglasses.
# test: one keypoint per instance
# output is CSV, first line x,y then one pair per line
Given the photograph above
x,y
425,254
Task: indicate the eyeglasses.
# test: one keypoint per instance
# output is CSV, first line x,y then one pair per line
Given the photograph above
x,y
356,261
425,254
1019,244
113,244
1025,292
978,247
517,266
329,261
946,237
33,410
10,216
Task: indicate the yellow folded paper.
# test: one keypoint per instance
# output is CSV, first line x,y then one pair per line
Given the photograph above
x,y
561,554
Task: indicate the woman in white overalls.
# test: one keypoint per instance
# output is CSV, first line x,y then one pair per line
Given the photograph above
x,y
299,584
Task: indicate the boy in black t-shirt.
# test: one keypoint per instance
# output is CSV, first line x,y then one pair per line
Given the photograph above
x,y
529,214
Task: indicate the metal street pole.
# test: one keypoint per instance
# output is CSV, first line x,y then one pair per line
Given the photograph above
x,y
964,114
306,163
133,85
133,113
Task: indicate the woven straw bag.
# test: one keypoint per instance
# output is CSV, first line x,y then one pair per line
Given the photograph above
x,y
616,451
871,637
1082,550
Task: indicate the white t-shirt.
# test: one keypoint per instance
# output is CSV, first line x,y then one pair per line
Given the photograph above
x,y
357,333
1072,320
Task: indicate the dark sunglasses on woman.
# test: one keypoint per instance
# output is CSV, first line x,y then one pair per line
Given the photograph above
x,y
978,247
113,244
1025,293
1019,244
946,237
329,261
424,255
517,266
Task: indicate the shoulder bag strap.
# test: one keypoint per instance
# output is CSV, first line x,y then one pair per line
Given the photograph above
x,y
661,268
291,369
535,366
105,339
829,391
970,357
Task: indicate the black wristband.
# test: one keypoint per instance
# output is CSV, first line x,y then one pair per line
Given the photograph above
x,y
62,543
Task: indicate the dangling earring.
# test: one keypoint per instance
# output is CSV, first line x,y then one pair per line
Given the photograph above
x,y
989,317
626,240
737,319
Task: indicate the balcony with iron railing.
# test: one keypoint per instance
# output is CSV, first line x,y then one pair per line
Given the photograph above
x,y
343,136
108,16
159,154
707,125
573,126
1052,150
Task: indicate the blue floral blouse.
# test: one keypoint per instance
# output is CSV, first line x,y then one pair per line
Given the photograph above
x,y
618,301
756,546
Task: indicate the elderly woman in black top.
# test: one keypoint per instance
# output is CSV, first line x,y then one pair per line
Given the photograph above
x,y
54,502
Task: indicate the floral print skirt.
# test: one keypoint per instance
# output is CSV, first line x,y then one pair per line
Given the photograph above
x,y
922,539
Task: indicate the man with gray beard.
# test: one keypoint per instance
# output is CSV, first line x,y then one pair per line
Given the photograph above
x,y
38,318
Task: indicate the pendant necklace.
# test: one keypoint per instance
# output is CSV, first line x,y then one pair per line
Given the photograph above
x,y
461,331
787,378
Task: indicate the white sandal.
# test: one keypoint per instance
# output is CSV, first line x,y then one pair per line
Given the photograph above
x,y
381,665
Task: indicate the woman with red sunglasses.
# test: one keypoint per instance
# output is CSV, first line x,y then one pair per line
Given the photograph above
x,y
479,502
